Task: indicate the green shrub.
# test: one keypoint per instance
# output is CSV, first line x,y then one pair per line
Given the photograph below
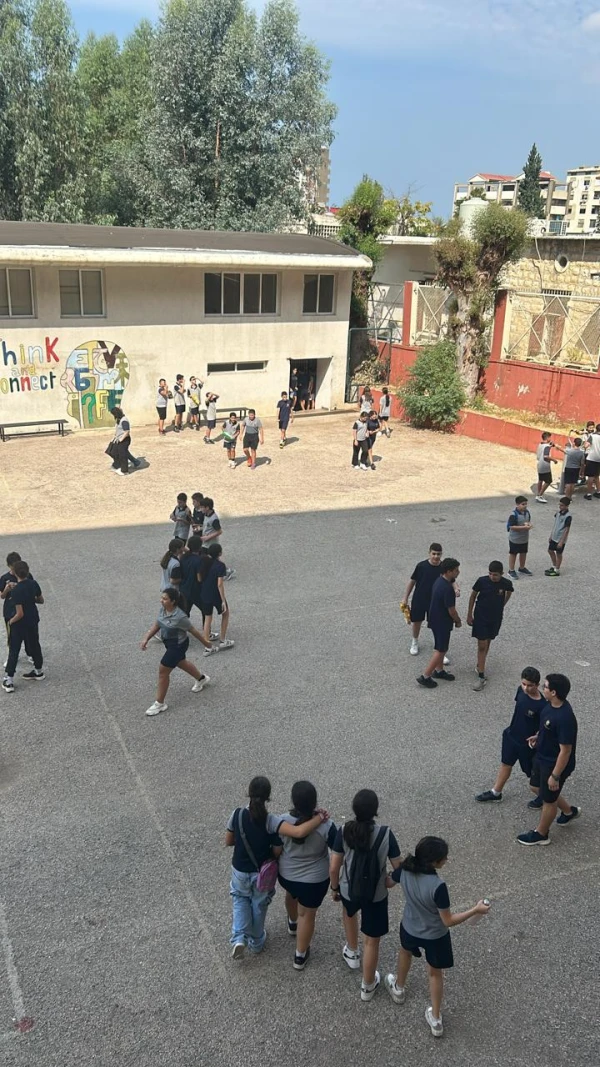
x,y
433,393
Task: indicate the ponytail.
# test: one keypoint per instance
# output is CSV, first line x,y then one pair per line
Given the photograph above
x,y
429,852
357,832
259,792
175,546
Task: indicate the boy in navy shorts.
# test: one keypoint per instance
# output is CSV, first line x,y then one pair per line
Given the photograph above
x,y
422,581
518,526
443,617
558,537
524,725
489,596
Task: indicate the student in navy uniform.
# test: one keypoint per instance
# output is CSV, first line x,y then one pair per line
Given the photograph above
x,y
24,624
558,537
284,409
212,599
525,723
361,834
422,581
442,618
191,573
490,595
518,526
554,759
426,923
7,582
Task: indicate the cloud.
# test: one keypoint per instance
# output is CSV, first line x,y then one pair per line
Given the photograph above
x,y
592,22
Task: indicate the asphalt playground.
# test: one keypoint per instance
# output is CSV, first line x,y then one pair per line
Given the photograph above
x,y
114,905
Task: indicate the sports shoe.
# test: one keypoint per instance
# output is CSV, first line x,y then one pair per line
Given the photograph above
x,y
367,992
414,647
199,684
597,495
564,819
587,496
553,573
156,708
363,467
525,570
34,675
541,500
122,474
301,961
229,574
8,686
549,572
352,957
215,637
238,951
480,684
537,802
355,467
514,576
292,927
397,993
232,463
533,838
446,661
282,444
253,466
228,643
488,795
427,683
435,1025
211,651
445,676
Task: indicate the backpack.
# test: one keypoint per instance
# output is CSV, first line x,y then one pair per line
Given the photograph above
x,y
365,872
267,872
514,514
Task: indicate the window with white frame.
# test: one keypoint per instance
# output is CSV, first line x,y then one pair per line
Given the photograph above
x,y
230,368
80,293
16,293
318,294
236,293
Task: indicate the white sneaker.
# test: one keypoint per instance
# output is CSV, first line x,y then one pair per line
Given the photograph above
x,y
238,951
435,1025
446,661
368,992
198,686
363,467
541,500
211,651
226,644
215,637
352,957
397,993
156,708
122,474
414,647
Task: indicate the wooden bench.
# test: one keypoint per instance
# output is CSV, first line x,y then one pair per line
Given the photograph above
x,y
241,412
58,426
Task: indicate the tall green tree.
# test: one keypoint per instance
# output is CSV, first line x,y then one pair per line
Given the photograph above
x,y
14,83
530,199
365,216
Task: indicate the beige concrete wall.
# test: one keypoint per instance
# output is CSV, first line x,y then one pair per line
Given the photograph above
x,y
155,327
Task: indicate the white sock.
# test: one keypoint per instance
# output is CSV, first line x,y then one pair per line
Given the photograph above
x,y
495,792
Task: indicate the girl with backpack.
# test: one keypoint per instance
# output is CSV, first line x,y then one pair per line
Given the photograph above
x,y
255,846
304,866
358,878
426,924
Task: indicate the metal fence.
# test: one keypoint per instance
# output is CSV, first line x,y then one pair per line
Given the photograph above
x,y
364,344
555,328
431,314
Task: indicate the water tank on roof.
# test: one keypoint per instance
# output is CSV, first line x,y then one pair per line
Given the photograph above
x,y
468,211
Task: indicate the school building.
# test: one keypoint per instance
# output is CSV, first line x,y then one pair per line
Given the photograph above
x,y
93,316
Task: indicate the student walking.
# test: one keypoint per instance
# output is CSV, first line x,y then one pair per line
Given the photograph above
x,y
253,433
524,725
194,395
518,525
284,410
182,517
592,464
8,582
211,416
558,537
175,628
426,923
23,626
442,618
489,597
231,432
357,873
162,397
385,408
366,401
360,442
544,465
304,865
554,760
170,564
419,587
179,397
121,442
212,599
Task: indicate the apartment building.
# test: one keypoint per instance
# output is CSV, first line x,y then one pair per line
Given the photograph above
x,y
572,206
504,188
583,200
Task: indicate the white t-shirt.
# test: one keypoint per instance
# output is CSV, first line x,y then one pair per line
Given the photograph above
x,y
594,450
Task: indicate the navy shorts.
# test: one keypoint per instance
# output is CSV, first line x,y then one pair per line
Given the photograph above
x,y
553,546
161,412
592,469
374,920
441,639
211,423
283,424
179,409
308,894
545,477
174,652
484,630
208,609
230,444
539,780
515,550
251,441
571,475
438,950
194,411
384,418
513,752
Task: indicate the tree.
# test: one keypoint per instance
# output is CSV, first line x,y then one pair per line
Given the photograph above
x,y
530,199
14,80
471,267
365,216
413,218
433,393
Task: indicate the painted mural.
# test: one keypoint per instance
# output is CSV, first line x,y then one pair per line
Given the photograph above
x,y
95,378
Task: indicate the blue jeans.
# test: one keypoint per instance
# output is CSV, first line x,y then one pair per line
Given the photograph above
x,y
249,910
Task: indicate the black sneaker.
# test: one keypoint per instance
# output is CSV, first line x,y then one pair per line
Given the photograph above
x,y
564,819
525,570
7,686
537,802
533,838
597,495
36,676
587,496
301,961
427,683
445,676
488,795
292,927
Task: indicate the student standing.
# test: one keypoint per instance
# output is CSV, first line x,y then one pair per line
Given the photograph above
x,y
212,529
212,599
544,466
554,759
558,537
366,401
490,595
194,394
442,618
170,564
420,585
284,409
23,625
253,433
518,525
162,397
304,866
8,582
592,464
197,513
175,628
211,416
426,923
385,408
191,573
182,517
360,442
574,466
357,874
524,725
231,432
179,397
373,427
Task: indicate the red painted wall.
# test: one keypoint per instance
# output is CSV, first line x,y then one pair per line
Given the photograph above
x,y
571,395
500,432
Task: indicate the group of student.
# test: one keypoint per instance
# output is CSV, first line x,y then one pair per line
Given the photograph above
x,y
309,856
181,396
581,464
20,595
368,426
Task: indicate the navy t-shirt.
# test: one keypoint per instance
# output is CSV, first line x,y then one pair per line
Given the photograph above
x,y
25,594
210,585
490,601
558,726
443,597
191,576
526,716
7,609
259,840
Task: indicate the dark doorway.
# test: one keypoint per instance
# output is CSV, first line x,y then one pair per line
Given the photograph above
x,y
306,372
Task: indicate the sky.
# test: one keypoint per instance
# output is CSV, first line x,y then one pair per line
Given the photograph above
x,y
429,92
